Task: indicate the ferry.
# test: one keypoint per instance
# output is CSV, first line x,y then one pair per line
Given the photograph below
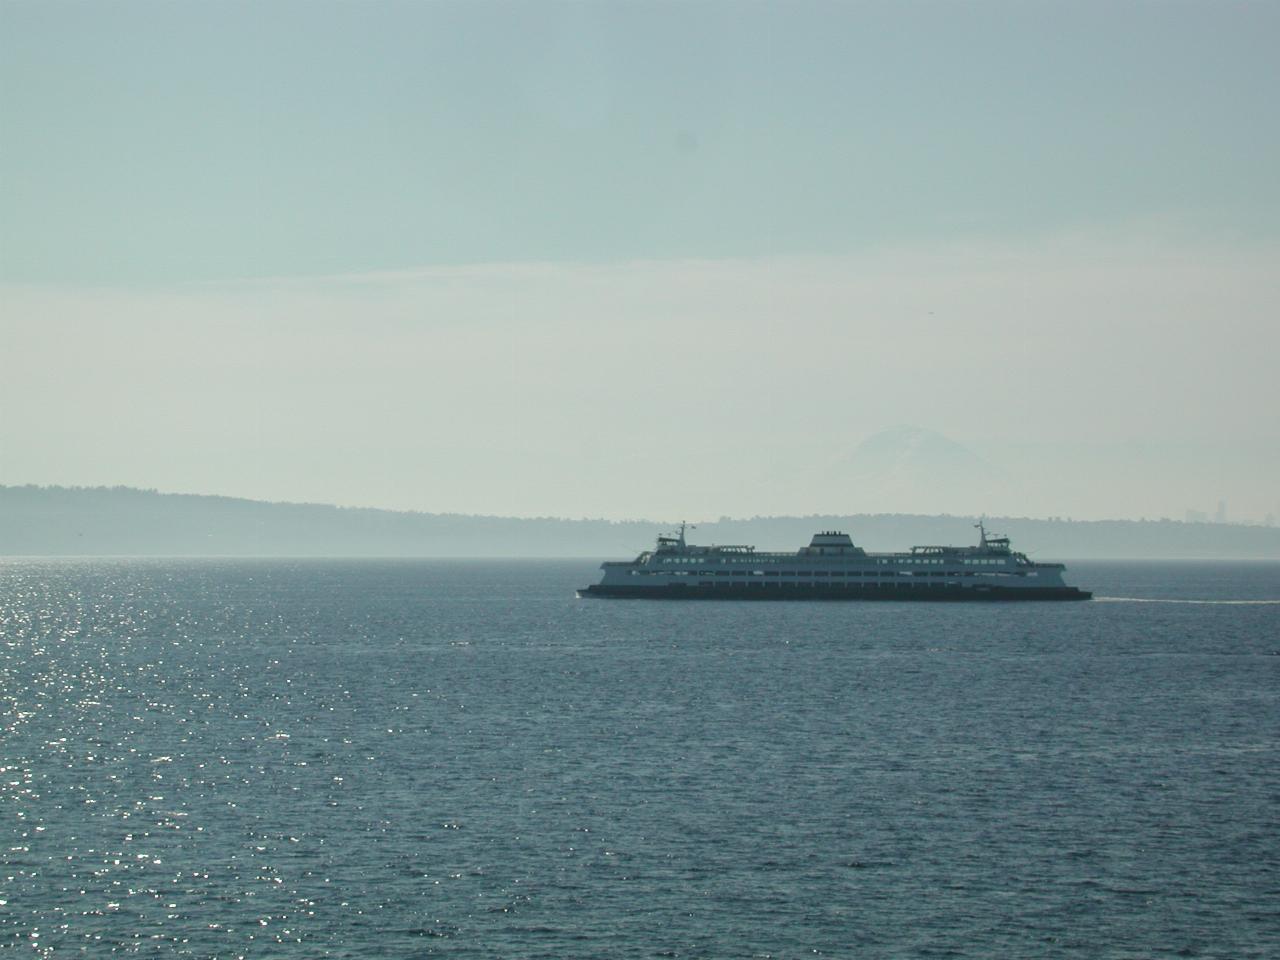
x,y
831,567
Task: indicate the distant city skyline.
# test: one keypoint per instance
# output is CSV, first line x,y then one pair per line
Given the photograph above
x,y
646,259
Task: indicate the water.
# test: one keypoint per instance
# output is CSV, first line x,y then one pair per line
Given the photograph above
x,y
414,758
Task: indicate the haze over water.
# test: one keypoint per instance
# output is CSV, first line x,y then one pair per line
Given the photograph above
x,y
646,259
657,260
419,758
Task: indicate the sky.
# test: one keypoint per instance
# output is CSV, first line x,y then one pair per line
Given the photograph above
x,y
646,259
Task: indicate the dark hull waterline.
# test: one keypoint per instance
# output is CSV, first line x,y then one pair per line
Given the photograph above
x,y
908,592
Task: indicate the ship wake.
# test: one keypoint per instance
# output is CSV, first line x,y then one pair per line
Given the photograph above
x,y
1202,602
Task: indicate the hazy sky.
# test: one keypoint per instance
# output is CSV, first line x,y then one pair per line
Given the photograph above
x,y
644,259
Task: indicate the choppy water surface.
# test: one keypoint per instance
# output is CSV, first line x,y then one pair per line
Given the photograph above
x,y
404,759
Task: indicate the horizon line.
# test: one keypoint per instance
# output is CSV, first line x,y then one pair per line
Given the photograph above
x,y
155,491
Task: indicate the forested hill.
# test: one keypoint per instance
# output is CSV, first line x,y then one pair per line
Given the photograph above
x,y
122,521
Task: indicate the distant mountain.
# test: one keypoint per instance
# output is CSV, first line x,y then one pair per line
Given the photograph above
x,y
906,451
122,521
901,468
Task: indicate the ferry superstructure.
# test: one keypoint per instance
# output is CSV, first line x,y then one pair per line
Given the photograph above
x,y
831,567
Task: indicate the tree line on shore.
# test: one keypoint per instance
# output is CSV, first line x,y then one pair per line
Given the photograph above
x,y
126,521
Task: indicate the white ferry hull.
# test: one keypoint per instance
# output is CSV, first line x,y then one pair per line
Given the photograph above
x,y
832,567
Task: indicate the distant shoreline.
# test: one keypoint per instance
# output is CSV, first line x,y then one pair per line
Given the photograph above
x,y
103,522
358,558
